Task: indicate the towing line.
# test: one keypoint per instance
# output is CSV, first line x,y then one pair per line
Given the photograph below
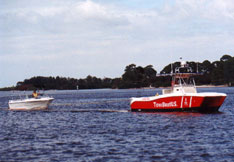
x,y
87,103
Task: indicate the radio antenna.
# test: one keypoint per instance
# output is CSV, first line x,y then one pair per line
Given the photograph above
x,y
171,68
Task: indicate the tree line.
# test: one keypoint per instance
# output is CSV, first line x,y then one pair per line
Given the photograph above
x,y
214,73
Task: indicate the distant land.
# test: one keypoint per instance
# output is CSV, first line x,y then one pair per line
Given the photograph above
x,y
215,73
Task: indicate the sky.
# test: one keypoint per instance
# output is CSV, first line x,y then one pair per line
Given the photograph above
x,y
77,38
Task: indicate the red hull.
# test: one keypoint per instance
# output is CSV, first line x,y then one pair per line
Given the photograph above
x,y
178,103
182,96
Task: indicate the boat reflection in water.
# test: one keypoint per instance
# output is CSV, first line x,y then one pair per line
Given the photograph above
x,y
182,96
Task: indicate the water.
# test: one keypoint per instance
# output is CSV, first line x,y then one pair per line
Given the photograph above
x,y
96,125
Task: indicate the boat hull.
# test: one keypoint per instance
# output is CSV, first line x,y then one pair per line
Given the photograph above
x,y
30,104
200,102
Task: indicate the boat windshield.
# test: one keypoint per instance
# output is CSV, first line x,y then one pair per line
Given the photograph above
x,y
189,81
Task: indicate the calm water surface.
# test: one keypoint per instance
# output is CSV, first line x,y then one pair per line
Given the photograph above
x,y
96,125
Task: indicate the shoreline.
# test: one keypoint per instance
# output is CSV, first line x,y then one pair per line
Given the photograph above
x,y
199,86
203,86
211,86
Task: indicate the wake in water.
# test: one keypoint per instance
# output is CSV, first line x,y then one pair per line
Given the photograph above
x,y
67,110
90,103
75,106
87,110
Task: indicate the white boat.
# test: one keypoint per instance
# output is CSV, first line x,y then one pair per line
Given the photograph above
x,y
38,103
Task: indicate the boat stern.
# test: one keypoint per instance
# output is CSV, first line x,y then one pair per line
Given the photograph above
x,y
140,103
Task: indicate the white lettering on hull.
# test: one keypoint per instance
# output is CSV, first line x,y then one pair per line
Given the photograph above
x,y
164,104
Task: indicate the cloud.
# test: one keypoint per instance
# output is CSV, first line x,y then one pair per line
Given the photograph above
x,y
77,38
214,10
87,15
91,9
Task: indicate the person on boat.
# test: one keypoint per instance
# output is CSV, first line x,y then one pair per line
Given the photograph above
x,y
35,94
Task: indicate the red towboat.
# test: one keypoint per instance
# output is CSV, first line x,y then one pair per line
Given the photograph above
x,y
182,96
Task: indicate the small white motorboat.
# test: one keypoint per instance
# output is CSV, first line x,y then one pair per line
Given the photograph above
x,y
38,103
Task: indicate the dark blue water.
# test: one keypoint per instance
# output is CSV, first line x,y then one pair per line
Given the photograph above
x,y
96,125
